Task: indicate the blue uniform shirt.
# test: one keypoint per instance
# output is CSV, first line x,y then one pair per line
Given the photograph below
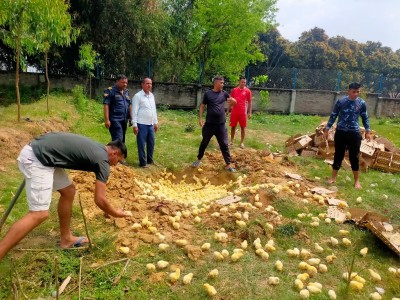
x,y
118,103
348,112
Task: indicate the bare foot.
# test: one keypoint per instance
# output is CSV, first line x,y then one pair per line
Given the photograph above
x,y
357,185
74,241
331,181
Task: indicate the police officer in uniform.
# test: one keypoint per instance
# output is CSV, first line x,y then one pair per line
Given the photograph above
x,y
117,108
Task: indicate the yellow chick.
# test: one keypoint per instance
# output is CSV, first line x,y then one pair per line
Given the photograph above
x,y
136,226
328,221
187,279
318,248
264,255
269,247
314,261
161,264
273,280
392,270
236,256
334,241
181,243
375,276
176,225
213,273
218,256
303,277
312,270
174,276
303,265
197,219
241,224
322,268
330,258
304,294
160,236
343,232
332,295
313,289
206,246
150,267
123,250
298,284
316,284
225,253
211,291
364,251
163,247
346,242
375,296
355,285
304,254
279,265
244,244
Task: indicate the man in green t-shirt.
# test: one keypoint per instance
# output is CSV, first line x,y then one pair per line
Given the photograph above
x,y
42,162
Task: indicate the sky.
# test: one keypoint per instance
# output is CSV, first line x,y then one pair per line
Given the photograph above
x,y
359,20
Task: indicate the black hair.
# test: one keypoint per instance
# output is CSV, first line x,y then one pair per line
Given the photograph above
x,y
118,145
354,86
121,77
241,77
218,77
144,79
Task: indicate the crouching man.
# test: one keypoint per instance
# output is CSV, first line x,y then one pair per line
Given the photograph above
x,y
42,163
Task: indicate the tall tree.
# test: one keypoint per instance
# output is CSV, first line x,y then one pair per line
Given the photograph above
x,y
18,28
225,32
54,28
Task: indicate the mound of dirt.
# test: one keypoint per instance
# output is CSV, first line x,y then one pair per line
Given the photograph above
x,y
17,135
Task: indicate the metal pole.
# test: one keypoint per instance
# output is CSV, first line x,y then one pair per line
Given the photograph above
x,y
294,79
19,191
200,66
380,85
339,79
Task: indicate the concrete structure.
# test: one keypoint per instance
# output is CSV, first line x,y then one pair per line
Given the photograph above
x,y
189,96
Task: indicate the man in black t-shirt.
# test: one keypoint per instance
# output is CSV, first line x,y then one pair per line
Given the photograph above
x,y
215,100
42,162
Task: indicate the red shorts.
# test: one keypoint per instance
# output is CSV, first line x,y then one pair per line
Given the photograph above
x,y
235,118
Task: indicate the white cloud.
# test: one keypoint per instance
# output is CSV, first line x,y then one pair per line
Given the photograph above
x,y
359,20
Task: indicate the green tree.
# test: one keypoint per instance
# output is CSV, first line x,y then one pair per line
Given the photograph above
x,y
225,33
18,30
86,63
54,28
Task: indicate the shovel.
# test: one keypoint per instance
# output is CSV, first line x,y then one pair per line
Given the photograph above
x,y
19,191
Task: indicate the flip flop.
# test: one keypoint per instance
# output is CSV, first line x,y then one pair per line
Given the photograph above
x,y
230,169
79,244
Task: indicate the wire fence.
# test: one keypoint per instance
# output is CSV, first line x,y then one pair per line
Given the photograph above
x,y
329,80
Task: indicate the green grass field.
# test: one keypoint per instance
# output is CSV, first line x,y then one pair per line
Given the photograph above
x,y
32,273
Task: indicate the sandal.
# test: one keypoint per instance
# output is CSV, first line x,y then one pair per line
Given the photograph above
x,y
196,163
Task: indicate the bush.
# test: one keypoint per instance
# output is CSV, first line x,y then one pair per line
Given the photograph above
x,y
80,99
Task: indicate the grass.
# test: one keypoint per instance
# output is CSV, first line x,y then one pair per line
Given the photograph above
x,y
176,148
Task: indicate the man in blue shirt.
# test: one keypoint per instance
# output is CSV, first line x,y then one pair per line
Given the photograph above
x,y
117,108
347,135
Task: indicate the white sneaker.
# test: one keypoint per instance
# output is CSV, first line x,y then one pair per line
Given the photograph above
x,y
242,145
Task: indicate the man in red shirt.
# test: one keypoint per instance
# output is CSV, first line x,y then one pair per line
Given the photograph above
x,y
241,111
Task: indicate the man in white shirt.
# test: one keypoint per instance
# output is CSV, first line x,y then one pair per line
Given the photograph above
x,y
145,122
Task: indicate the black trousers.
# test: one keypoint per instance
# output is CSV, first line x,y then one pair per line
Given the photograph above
x,y
221,133
347,140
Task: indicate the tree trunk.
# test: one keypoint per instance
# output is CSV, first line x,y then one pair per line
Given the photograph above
x,y
18,54
47,80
